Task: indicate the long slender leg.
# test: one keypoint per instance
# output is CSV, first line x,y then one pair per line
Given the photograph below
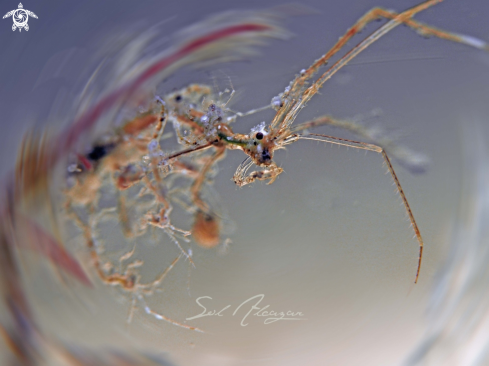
x,y
197,185
147,289
150,287
286,116
380,150
166,319
414,162
405,18
189,151
351,126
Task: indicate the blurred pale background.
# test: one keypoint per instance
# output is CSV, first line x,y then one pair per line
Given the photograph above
x,y
329,238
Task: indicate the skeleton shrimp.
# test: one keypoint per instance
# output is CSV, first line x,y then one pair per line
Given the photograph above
x,y
212,130
125,160
135,164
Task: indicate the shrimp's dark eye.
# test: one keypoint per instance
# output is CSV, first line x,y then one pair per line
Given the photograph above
x,y
178,98
259,136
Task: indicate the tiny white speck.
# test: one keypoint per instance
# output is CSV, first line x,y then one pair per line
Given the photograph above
x,y
147,310
158,316
72,168
276,101
229,138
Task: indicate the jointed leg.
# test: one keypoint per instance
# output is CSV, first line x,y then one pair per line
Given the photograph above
x,y
370,16
242,178
405,18
270,174
166,319
413,161
351,126
197,185
378,149
286,116
150,287
127,280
